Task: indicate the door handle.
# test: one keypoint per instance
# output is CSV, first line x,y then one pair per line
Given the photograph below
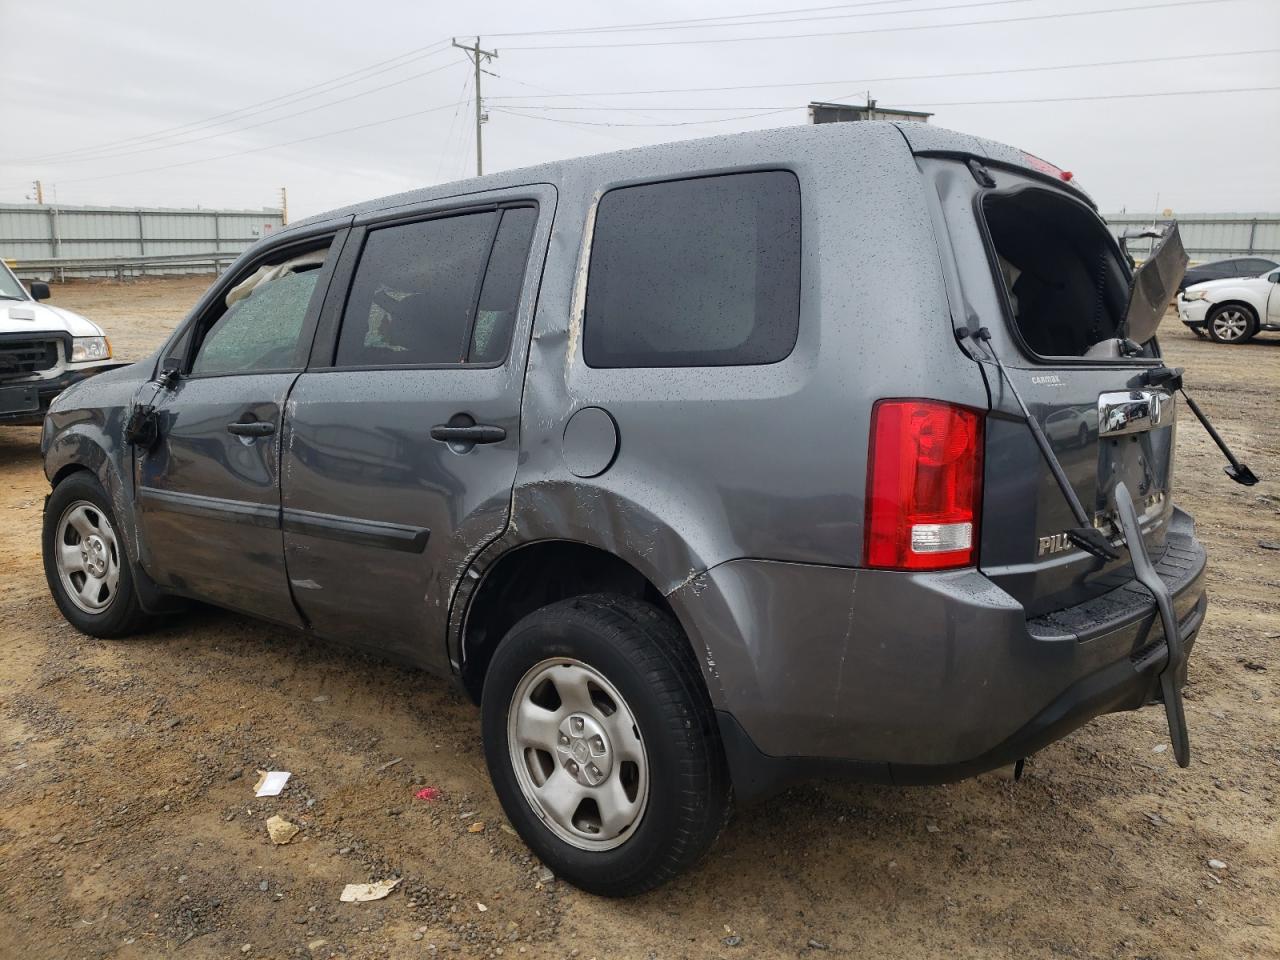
x,y
252,428
473,433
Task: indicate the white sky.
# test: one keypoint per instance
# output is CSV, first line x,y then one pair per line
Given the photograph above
x,y
78,74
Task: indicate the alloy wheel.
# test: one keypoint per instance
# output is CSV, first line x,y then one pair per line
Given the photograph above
x,y
1231,324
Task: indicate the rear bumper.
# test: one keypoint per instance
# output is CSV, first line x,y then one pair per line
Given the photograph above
x,y
48,388
918,678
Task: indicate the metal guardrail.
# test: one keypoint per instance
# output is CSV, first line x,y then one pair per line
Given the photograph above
x,y
122,267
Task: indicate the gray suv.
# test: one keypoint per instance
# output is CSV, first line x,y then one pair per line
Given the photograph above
x,y
702,468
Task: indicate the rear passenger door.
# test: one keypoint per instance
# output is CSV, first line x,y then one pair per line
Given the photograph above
x,y
402,437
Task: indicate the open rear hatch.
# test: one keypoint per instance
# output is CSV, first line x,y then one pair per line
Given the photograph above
x,y
1078,345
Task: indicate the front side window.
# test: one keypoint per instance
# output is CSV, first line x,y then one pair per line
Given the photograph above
x,y
702,272
261,327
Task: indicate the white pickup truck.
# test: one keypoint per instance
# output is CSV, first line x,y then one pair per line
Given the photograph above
x,y
43,350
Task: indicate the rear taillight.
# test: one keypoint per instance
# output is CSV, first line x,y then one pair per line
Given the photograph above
x,y
924,485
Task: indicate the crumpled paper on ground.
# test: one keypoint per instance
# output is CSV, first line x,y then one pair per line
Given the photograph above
x,y
281,830
362,892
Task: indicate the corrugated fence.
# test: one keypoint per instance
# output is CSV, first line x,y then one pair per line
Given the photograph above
x,y
1210,236
56,241
43,240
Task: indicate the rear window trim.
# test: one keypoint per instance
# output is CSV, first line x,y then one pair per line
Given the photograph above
x,y
1006,307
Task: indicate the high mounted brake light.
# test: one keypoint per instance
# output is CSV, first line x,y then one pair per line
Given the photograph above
x,y
1044,166
924,485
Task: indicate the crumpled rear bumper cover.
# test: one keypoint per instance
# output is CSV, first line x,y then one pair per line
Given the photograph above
x,y
917,678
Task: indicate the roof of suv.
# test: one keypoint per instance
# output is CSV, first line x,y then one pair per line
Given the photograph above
x,y
920,137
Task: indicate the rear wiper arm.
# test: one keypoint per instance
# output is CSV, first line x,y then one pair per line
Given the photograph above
x,y
1085,536
1171,378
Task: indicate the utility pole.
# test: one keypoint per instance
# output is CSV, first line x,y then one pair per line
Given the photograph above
x,y
474,54
284,206
39,189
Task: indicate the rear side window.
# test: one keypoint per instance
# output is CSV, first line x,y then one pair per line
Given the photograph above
x,y
500,295
438,292
701,272
414,292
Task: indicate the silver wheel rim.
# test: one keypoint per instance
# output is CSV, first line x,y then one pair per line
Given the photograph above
x,y
1231,324
87,556
577,753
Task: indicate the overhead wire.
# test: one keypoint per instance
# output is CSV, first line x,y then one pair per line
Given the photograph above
x,y
1030,18
1144,61
303,93
925,103
261,123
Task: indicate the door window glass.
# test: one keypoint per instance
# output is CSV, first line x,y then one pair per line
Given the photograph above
x,y
702,272
500,296
261,330
414,292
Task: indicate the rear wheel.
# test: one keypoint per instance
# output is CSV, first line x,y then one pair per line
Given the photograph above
x,y
602,743
85,563
1232,323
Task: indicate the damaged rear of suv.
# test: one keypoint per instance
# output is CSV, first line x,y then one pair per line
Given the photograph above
x,y
839,450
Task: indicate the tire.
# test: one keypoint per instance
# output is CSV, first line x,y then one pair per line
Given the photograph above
x,y
1232,323
660,794
93,583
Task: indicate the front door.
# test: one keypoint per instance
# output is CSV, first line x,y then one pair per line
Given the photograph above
x,y
402,438
209,488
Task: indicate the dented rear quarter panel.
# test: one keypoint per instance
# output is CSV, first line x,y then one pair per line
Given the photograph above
x,y
766,462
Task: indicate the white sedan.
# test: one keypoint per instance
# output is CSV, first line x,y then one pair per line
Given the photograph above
x,y
1232,311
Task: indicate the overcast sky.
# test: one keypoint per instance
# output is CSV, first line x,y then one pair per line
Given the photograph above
x,y
114,97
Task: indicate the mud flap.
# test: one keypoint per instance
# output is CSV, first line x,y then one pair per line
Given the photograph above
x,y
1146,574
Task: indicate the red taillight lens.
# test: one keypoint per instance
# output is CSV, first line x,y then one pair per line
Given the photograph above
x,y
924,485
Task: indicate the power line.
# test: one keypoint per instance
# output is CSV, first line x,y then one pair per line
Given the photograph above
x,y
874,30
678,123
734,22
924,103
261,123
917,76
269,146
303,93
626,27
448,140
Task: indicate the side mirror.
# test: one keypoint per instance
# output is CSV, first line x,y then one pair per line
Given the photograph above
x,y
39,290
1275,277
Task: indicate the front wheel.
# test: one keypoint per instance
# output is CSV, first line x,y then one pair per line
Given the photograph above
x,y
85,563
602,744
1232,323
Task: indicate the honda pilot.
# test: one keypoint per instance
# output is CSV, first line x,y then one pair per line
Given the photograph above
x,y
841,450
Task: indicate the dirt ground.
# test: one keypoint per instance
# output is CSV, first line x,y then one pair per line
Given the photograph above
x,y
128,826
